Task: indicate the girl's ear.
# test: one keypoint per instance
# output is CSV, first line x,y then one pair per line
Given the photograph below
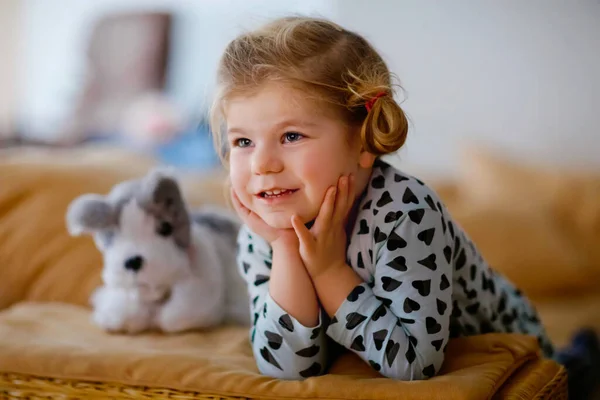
x,y
366,159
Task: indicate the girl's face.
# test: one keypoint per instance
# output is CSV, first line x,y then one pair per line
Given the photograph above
x,y
286,151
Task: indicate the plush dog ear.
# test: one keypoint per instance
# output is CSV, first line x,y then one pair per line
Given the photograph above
x,y
89,213
161,197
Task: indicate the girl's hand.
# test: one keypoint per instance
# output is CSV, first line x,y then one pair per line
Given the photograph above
x,y
260,227
324,245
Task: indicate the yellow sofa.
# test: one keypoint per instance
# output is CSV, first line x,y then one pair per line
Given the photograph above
x,y
49,348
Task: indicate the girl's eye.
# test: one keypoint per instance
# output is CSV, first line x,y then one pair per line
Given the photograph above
x,y
293,136
242,142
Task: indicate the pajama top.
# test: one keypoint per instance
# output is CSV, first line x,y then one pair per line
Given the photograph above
x,y
424,282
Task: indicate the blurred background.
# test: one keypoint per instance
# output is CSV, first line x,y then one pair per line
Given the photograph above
x,y
518,77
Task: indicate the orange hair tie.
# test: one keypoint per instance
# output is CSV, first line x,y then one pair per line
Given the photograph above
x,y
369,104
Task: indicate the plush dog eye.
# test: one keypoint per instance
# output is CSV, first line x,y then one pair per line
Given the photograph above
x,y
165,229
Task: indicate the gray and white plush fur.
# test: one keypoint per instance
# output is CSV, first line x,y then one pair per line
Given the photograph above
x,y
165,267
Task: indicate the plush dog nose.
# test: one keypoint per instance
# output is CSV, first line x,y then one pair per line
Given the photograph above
x,y
134,263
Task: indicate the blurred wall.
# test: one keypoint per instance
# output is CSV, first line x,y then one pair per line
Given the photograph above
x,y
10,13
56,34
520,76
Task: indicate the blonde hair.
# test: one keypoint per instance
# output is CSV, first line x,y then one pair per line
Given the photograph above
x,y
337,66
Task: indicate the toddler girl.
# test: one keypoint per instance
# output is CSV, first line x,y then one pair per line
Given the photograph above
x,y
337,244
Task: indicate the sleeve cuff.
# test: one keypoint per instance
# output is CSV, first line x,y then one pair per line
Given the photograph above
x,y
287,323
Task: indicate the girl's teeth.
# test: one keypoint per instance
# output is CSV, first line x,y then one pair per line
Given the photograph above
x,y
276,192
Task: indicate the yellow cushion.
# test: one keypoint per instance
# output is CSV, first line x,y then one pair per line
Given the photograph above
x,y
57,340
39,261
538,225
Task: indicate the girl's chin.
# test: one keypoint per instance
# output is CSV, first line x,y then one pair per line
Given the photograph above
x,y
282,221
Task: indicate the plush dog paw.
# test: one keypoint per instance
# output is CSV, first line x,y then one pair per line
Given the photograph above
x,y
119,310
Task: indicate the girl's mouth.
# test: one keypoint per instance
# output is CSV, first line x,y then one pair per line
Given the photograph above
x,y
276,193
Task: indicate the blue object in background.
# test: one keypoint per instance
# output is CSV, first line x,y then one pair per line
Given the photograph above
x,y
191,149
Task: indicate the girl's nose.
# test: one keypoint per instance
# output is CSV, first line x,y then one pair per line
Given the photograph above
x,y
266,161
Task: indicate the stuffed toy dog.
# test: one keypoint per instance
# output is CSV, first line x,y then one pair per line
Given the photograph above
x,y
165,268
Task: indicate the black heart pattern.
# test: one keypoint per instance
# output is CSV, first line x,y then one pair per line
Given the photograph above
x,y
313,370
488,284
413,340
390,284
286,322
395,242
416,216
268,264
391,351
367,205
250,248
456,245
429,262
357,344
375,211
473,271
429,371
441,306
246,267
410,354
411,305
374,365
409,197
426,236
254,300
379,337
393,216
315,333
274,340
309,351
268,357
424,287
364,228
451,229
400,178
430,202
437,344
444,284
378,182
398,263
379,312
448,253
432,326
354,319
359,261
407,321
353,296
385,199
260,279
379,236
461,260
386,302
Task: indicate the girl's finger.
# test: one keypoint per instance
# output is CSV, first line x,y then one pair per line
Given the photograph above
x,y
304,236
351,194
250,218
341,204
323,220
237,204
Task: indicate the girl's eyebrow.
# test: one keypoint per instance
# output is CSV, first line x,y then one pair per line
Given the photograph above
x,y
284,123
